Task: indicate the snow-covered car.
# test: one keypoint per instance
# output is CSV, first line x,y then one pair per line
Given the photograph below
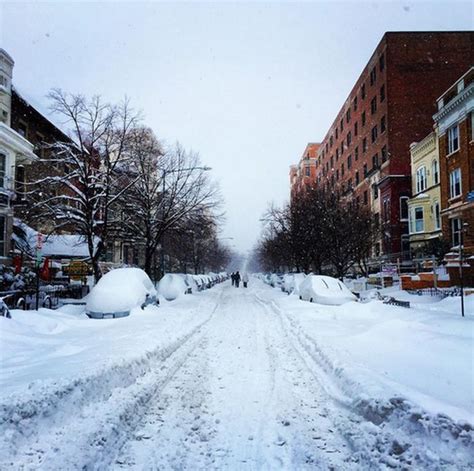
x,y
172,286
191,282
118,292
276,281
292,282
325,290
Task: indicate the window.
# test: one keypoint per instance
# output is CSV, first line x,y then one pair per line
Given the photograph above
x,y
382,62
382,93
403,208
2,236
337,133
375,161
386,210
421,179
366,197
356,128
20,181
453,139
373,105
373,76
22,129
341,124
355,103
455,183
337,174
307,171
3,162
436,215
364,145
456,232
356,153
349,138
362,91
349,184
348,115
3,81
363,118
357,179
417,223
337,154
331,141
435,171
365,170
3,115
342,170
342,148
349,162
375,191
384,154
383,125
332,161
374,133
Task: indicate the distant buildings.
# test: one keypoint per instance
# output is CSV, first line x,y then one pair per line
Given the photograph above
x,y
304,173
366,151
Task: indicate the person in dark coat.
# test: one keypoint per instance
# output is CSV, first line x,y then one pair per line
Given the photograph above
x,y
232,277
237,279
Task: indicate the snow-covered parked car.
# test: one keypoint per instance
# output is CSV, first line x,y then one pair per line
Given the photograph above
x,y
172,286
276,281
118,292
325,290
292,282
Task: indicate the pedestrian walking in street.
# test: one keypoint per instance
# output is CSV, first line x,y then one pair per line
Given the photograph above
x,y
245,279
232,277
237,279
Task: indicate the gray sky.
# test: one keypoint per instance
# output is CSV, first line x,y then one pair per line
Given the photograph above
x,y
247,85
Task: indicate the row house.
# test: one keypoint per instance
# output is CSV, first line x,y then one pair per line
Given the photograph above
x,y
454,123
424,207
15,152
366,151
303,174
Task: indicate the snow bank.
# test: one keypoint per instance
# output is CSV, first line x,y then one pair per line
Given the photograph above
x,y
325,290
120,290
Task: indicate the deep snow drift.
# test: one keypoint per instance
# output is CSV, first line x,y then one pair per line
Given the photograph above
x,y
239,378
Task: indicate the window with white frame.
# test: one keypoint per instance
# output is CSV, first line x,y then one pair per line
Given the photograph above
x,y
403,208
437,215
456,232
421,179
417,222
435,172
455,183
453,139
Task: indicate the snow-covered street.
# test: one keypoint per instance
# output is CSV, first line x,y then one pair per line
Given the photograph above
x,y
226,379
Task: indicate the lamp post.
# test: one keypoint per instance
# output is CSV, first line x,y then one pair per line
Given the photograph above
x,y
461,231
163,177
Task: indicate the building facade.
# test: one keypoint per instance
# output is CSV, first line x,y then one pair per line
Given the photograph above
x,y
15,151
455,125
303,174
366,151
424,207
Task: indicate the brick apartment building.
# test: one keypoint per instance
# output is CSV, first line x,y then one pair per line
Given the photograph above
x,y
366,151
304,173
454,122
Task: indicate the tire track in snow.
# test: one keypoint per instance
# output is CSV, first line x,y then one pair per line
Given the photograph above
x,y
89,436
376,438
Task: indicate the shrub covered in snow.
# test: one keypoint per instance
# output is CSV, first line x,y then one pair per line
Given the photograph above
x,y
9,280
325,290
118,292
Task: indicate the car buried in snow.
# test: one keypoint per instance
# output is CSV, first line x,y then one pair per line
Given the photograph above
x,y
120,291
325,290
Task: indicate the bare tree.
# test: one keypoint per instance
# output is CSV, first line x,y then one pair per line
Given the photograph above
x,y
78,197
169,186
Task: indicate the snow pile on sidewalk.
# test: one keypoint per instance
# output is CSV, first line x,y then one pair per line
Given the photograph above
x,y
409,368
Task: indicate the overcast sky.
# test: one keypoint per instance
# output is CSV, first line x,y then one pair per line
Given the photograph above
x,y
247,85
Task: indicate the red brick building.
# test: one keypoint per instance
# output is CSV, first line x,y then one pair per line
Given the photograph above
x,y
366,150
304,173
454,121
